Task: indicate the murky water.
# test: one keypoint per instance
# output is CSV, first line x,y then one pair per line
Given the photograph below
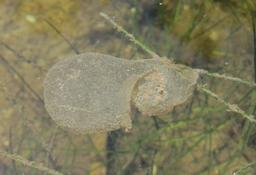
x,y
199,137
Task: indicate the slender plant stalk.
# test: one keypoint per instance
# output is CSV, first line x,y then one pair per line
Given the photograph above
x,y
241,171
226,77
20,77
62,36
28,163
129,36
111,155
253,14
231,107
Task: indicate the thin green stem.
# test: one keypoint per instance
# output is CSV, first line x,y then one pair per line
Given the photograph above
x,y
240,171
129,36
231,107
28,163
226,77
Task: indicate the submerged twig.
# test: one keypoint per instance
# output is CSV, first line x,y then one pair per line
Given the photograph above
x,y
111,151
241,171
231,107
28,163
62,36
153,166
254,42
129,36
226,77
11,151
20,77
17,54
50,147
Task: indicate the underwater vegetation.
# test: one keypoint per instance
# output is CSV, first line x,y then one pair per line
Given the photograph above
x,y
207,134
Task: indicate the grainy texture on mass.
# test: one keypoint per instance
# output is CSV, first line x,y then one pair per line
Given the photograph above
x,y
95,93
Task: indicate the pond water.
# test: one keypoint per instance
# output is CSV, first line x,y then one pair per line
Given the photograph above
x,y
198,137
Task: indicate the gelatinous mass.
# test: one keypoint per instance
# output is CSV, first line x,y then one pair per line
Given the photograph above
x,y
93,92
